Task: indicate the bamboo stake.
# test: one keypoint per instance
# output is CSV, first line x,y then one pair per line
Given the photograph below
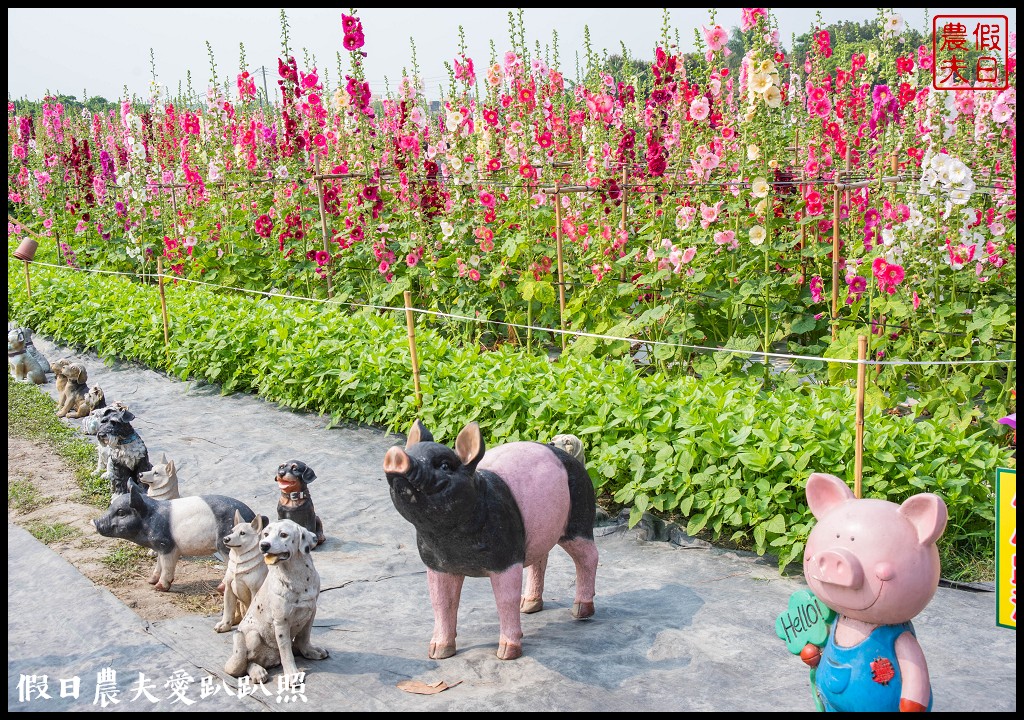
x,y
411,328
163,305
561,277
858,463
28,280
323,220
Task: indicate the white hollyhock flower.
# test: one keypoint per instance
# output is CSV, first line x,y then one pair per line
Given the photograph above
x,y
757,235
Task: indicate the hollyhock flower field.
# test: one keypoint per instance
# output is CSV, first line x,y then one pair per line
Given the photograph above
x,y
727,197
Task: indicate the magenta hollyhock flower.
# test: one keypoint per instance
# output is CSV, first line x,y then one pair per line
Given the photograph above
x,y
490,116
353,41
370,193
487,199
545,139
350,23
411,259
816,285
527,171
322,257
264,226
494,164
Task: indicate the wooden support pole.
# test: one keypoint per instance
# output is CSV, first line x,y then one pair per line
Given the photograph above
x,y
163,305
561,275
28,280
323,221
858,463
411,328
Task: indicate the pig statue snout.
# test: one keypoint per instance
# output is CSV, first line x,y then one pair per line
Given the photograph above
x,y
837,567
396,461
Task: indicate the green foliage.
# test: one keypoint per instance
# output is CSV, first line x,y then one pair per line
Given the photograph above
x,y
726,453
32,414
23,496
50,533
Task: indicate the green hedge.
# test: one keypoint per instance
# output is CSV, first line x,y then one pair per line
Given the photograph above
x,y
723,454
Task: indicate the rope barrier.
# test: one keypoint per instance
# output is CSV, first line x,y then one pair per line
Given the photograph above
x,y
570,333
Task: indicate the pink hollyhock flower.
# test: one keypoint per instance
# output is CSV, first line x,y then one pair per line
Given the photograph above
x,y
917,301
688,254
716,37
685,216
709,213
474,275
725,237
749,17
487,199
411,259
700,108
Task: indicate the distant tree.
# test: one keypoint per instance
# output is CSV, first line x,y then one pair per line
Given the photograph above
x,y
632,72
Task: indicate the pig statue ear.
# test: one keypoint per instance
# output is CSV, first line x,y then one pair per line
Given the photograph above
x,y
825,491
469,445
418,433
138,500
928,514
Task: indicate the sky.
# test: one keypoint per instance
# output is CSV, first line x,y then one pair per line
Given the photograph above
x,y
100,51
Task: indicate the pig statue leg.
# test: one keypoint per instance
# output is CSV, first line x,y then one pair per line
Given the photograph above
x,y
445,591
167,563
533,592
583,552
508,590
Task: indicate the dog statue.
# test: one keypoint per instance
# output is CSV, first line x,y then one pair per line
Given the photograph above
x,y
30,347
58,367
24,365
91,426
128,453
162,481
295,503
245,573
571,444
77,399
280,618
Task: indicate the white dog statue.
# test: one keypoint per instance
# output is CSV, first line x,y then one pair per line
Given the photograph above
x,y
280,618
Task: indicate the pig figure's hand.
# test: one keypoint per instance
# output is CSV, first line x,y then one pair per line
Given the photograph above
x,y
811,654
911,706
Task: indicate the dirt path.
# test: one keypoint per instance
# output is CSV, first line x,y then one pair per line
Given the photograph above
x,y
55,511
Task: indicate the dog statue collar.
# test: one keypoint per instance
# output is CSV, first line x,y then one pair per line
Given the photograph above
x,y
300,495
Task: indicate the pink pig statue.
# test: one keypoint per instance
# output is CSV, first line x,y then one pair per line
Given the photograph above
x,y
876,564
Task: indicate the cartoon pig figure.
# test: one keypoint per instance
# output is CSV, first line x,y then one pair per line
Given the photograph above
x,y
876,564
193,526
492,515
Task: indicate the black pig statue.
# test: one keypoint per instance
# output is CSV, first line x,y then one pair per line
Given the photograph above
x,y
492,515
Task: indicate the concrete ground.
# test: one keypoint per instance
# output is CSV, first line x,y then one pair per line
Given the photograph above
x,y
677,628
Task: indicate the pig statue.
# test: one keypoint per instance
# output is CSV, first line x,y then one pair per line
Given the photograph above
x,y
876,564
193,526
492,515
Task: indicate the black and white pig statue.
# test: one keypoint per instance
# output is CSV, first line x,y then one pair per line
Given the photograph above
x,y
492,515
193,526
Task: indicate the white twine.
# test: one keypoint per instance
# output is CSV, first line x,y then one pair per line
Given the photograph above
x,y
572,333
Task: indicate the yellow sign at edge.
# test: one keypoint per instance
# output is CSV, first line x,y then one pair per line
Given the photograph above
x,y
1006,548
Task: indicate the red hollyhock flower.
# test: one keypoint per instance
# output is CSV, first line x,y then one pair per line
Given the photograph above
x,y
264,226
